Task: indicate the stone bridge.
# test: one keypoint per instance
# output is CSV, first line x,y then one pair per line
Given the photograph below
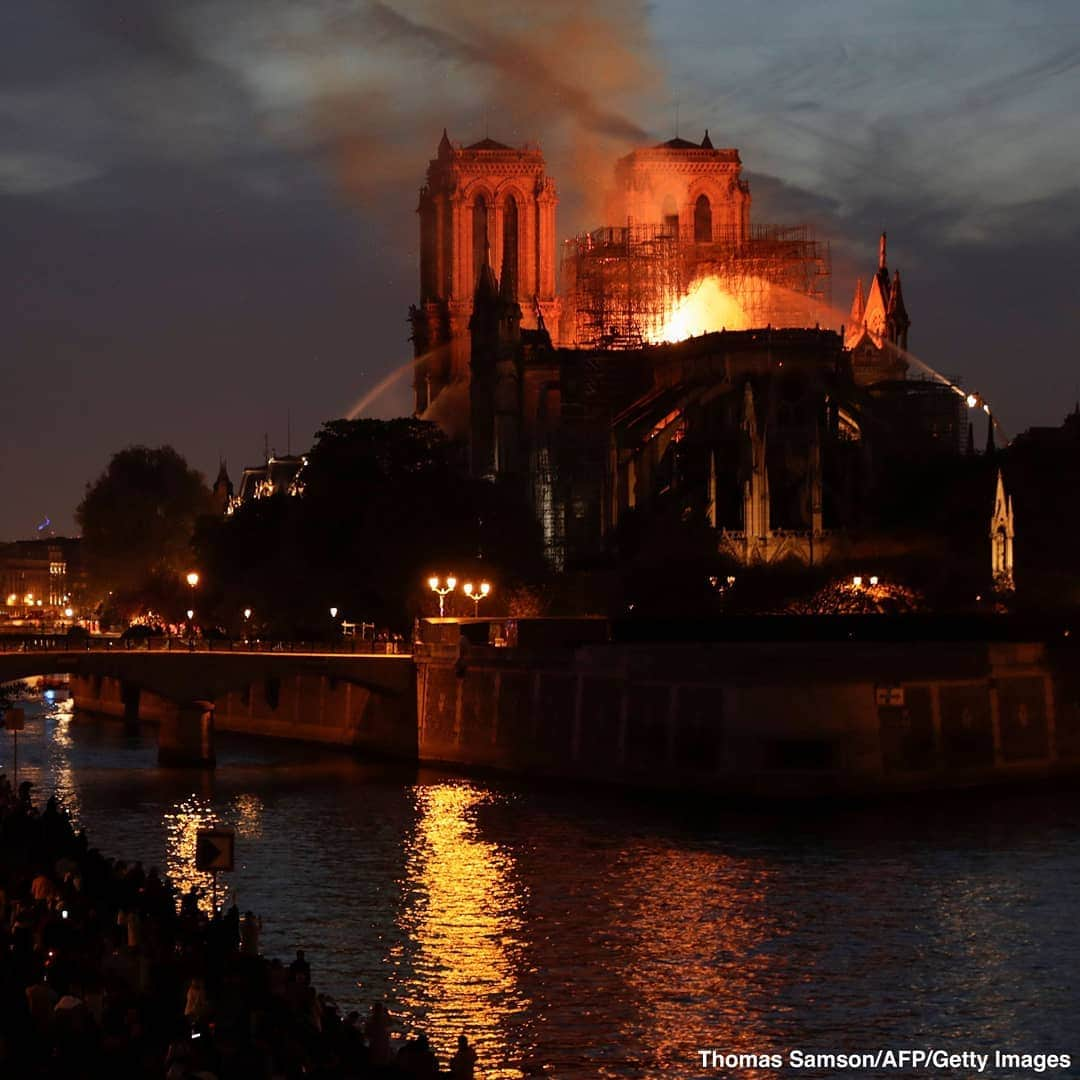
x,y
364,701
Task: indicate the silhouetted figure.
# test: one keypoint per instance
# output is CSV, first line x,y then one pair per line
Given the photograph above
x,y
300,968
463,1063
377,1032
249,934
417,1060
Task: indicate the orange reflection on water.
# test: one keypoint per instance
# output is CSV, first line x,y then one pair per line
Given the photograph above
x,y
248,811
67,792
703,914
463,912
182,824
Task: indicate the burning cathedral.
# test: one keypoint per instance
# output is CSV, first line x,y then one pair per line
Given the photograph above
x,y
672,360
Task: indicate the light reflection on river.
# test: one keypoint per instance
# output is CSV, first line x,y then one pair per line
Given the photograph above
x,y
585,934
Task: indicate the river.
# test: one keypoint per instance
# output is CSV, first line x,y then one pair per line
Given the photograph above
x,y
593,933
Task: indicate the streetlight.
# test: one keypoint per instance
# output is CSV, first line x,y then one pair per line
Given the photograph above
x,y
442,590
192,578
333,613
856,581
476,597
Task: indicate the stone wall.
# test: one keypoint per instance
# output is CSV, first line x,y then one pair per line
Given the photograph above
x,y
776,719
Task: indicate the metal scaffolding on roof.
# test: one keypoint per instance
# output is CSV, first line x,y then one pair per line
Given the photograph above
x,y
621,283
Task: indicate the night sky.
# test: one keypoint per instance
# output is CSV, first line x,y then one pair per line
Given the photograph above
x,y
207,207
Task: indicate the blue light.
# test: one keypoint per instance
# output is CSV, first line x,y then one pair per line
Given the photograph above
x,y
50,695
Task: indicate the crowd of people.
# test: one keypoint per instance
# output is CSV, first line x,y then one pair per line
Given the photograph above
x,y
106,972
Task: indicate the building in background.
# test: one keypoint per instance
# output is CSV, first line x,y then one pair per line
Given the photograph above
x,y
42,581
277,476
689,378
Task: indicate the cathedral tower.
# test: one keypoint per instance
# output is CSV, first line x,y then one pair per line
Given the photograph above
x,y
694,190
877,333
484,202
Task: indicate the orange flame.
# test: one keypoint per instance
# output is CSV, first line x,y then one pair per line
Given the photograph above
x,y
707,307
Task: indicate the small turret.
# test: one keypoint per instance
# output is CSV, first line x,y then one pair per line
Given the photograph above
x,y
706,143
896,314
858,311
222,490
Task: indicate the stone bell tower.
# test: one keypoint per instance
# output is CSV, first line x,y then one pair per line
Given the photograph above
x,y
483,202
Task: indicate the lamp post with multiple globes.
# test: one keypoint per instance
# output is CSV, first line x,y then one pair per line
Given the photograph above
x,y
434,583
477,595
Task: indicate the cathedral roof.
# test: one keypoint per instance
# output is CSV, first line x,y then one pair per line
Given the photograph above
x,y
488,144
678,144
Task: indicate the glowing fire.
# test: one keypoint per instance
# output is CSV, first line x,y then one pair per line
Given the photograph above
x,y
707,307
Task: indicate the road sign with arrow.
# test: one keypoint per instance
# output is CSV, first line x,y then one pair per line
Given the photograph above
x,y
214,849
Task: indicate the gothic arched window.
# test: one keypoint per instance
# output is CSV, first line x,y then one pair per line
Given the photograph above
x,y
510,245
702,220
479,237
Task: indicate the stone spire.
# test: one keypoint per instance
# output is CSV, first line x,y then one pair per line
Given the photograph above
x,y
222,490
897,315
445,148
706,143
858,311
756,484
487,288
883,267
1002,532
990,435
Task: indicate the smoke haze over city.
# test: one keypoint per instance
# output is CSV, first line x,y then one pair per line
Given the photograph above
x,y
208,209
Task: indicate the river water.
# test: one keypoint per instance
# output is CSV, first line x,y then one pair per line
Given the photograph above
x,y
591,933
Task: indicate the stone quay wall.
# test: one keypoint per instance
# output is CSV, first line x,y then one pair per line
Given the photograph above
x,y
762,719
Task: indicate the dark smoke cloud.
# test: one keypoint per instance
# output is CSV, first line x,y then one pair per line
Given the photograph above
x,y
513,57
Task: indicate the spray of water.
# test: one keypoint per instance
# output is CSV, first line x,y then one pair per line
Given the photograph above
x,y
379,389
708,307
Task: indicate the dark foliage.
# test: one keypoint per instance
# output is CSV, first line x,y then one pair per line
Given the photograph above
x,y
385,504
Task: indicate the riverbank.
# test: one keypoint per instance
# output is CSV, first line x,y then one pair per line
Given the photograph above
x,y
106,971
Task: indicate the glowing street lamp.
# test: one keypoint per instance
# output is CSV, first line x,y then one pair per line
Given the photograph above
x,y
247,614
68,612
856,581
192,578
333,613
190,614
442,590
476,597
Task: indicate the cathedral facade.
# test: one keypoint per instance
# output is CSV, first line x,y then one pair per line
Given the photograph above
x,y
772,432
486,203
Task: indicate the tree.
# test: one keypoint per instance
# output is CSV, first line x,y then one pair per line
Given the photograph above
x,y
137,520
385,504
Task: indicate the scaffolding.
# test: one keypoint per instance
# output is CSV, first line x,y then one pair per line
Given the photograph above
x,y
622,283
